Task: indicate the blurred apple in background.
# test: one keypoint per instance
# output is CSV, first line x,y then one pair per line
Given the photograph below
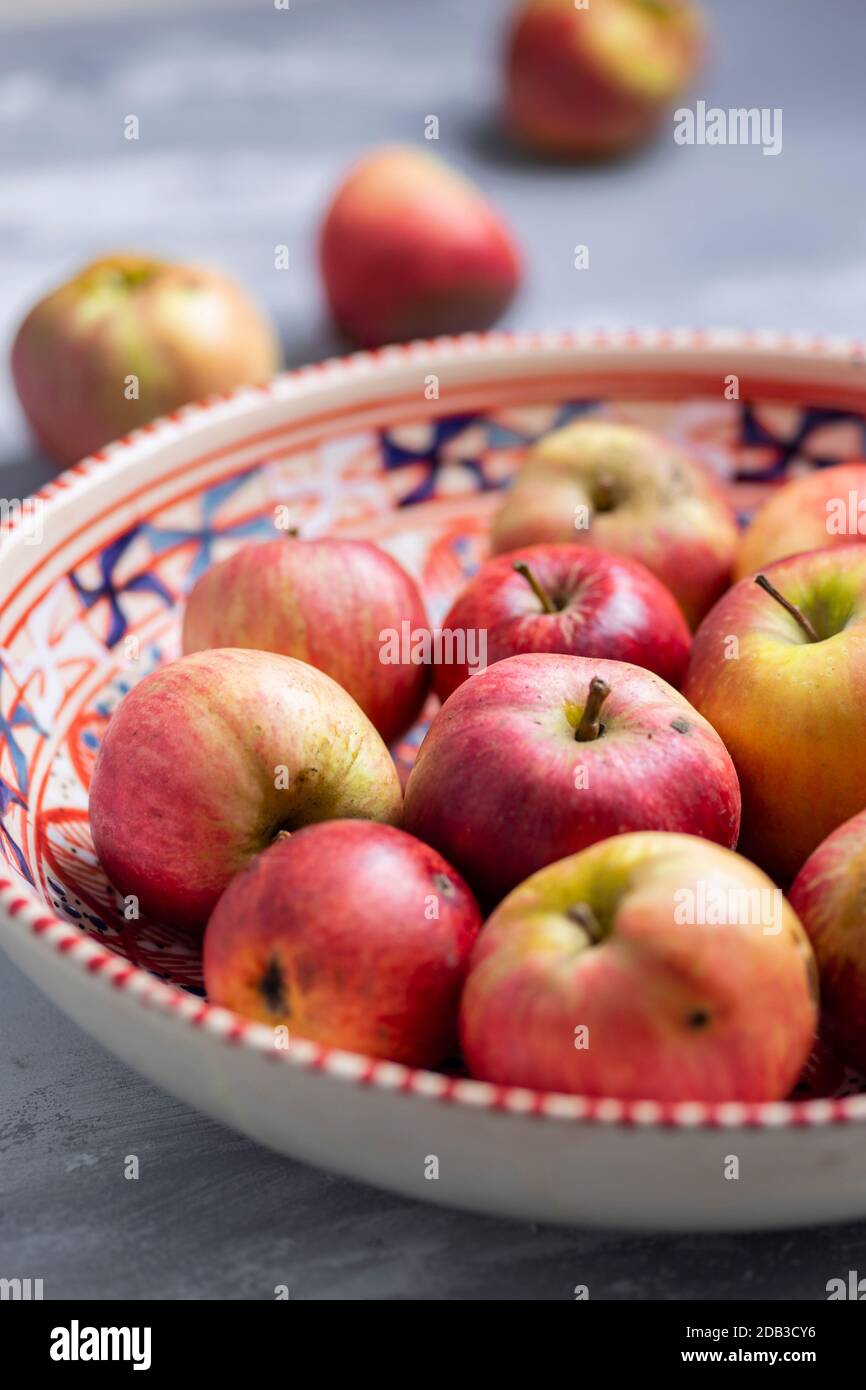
x,y
567,599
782,676
411,249
650,966
327,602
630,492
823,508
207,759
130,338
353,934
541,755
829,897
596,80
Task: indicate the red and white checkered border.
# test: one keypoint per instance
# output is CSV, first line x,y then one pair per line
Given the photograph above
x,y
22,906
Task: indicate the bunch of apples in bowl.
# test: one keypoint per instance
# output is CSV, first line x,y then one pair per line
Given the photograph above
x,y
544,801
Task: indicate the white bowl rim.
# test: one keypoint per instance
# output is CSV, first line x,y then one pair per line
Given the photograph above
x,y
21,906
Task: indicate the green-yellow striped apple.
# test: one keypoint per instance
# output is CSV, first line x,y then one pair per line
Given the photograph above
x,y
622,489
331,602
596,79
824,508
207,759
129,338
779,669
649,966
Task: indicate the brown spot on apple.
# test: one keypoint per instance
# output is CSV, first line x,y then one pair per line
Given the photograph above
x,y
272,988
305,773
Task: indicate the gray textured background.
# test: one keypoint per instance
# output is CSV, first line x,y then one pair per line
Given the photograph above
x,y
248,116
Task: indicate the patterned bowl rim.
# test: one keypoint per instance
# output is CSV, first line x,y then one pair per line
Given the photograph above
x,y
21,905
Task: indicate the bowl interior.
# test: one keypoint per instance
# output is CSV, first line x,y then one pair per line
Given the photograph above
x,y
108,610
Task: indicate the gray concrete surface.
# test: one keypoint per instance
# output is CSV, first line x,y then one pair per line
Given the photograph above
x,y
247,118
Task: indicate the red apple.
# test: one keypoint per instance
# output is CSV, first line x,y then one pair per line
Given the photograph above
x,y
780,672
820,509
350,933
410,249
649,966
207,759
541,755
829,897
129,338
332,603
630,492
596,80
567,599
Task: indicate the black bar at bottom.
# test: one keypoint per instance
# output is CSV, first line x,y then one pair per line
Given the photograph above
x,y
225,1338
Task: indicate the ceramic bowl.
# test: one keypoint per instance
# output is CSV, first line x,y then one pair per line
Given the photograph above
x,y
407,446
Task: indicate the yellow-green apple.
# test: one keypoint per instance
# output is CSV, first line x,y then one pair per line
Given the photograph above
x,y
597,80
820,509
567,599
623,489
541,755
779,669
209,758
649,966
411,249
129,338
829,897
353,934
342,605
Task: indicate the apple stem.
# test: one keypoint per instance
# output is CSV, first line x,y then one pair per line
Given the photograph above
x,y
604,492
763,582
281,835
590,727
543,597
583,915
